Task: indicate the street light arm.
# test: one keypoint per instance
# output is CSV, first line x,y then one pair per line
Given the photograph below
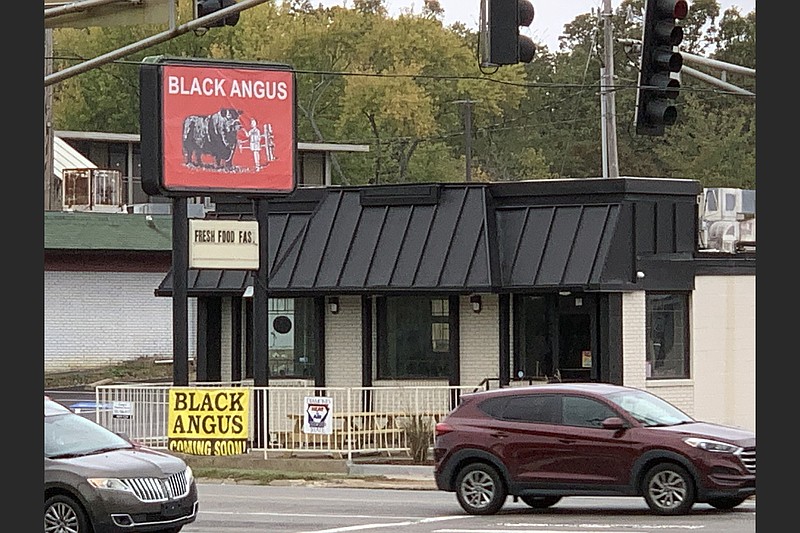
x,y
174,31
78,6
711,80
722,65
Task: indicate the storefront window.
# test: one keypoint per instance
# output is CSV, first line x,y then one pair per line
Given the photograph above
x,y
667,331
415,338
293,337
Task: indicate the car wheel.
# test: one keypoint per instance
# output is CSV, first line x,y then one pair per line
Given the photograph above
x,y
540,502
726,503
669,489
480,490
63,514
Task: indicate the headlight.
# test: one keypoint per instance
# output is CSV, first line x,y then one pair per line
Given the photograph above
x,y
712,445
108,483
189,475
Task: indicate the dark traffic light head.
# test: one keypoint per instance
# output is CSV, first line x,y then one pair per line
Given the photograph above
x,y
500,40
658,88
207,7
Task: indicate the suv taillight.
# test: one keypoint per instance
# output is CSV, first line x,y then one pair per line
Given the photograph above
x,y
443,428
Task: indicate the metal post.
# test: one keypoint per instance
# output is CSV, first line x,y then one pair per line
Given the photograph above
x,y
48,123
603,128
180,307
261,325
608,93
468,137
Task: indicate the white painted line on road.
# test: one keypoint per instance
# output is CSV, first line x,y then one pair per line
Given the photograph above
x,y
311,515
443,518
532,531
378,526
359,528
604,526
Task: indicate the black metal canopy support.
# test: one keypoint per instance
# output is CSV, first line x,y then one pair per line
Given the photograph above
x,y
180,305
261,325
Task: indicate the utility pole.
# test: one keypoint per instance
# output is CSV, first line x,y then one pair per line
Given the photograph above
x,y
607,95
467,135
48,120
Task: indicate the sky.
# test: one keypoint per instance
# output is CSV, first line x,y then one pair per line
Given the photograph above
x,y
549,18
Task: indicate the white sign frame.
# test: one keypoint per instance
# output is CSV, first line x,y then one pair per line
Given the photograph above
x,y
223,244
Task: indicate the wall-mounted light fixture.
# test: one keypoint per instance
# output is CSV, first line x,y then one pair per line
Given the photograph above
x,y
475,301
640,274
333,304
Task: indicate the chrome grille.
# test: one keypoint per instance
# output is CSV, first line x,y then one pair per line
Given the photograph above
x,y
748,457
151,489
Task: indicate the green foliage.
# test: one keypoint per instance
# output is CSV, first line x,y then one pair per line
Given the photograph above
x,y
398,84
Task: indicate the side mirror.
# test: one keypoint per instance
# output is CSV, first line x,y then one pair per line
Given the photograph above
x,y
614,422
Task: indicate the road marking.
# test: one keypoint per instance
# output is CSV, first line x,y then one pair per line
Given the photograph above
x,y
359,528
533,531
603,526
379,526
571,528
312,515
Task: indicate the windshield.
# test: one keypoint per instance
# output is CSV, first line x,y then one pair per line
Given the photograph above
x,y
649,409
70,434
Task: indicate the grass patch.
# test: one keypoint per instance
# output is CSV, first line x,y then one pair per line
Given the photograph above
x,y
144,369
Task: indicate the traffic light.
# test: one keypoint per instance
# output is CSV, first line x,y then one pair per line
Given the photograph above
x,y
206,7
658,88
500,41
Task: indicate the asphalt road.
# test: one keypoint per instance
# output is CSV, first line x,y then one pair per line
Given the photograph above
x,y
232,508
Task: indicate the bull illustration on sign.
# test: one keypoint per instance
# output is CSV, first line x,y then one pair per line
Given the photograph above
x,y
218,135
214,135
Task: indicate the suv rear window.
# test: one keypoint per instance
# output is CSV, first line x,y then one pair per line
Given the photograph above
x,y
494,406
539,408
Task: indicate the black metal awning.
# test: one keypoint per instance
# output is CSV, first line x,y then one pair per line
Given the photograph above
x,y
443,238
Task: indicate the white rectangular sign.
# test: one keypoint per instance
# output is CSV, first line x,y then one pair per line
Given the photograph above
x,y
223,244
318,415
122,410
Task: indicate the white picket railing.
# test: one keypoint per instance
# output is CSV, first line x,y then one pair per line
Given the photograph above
x,y
364,419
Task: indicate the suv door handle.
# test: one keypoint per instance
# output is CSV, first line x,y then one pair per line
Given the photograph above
x,y
499,434
567,441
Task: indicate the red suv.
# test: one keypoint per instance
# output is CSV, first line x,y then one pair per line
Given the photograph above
x,y
544,442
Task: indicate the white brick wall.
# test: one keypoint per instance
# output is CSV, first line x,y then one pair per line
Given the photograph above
x,y
724,349
93,319
633,339
343,343
480,340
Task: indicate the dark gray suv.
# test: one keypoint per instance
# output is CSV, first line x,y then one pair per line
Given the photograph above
x,y
96,481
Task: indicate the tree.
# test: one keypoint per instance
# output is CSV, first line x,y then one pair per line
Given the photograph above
x,y
394,83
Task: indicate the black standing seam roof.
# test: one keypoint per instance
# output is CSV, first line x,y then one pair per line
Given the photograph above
x,y
457,242
555,246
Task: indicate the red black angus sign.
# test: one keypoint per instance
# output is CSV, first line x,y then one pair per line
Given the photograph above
x,y
217,127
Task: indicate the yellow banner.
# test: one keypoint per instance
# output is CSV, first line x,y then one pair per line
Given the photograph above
x,y
205,421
